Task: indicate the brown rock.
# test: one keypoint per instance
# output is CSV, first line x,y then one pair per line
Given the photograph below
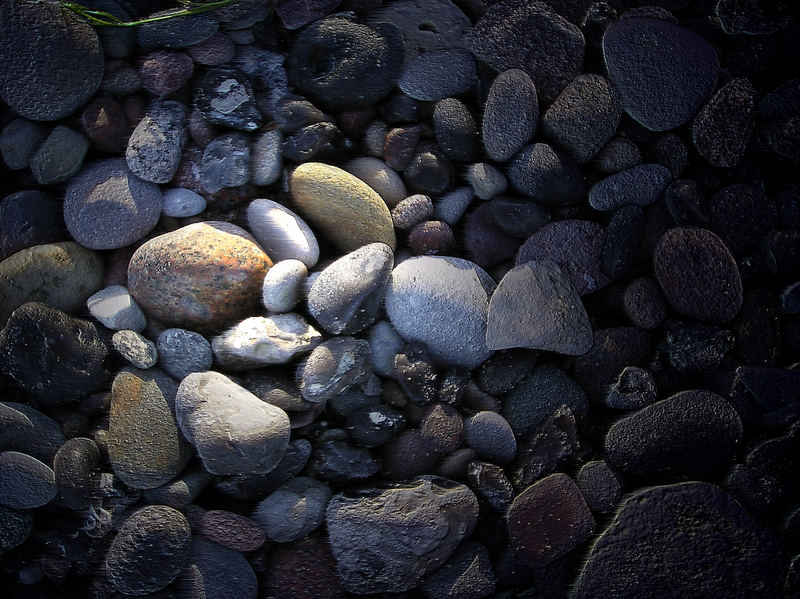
x,y
231,530
105,124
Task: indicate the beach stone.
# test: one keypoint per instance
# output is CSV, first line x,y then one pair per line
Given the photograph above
x,y
145,446
430,238
670,151
27,430
583,117
180,203
511,114
408,212
380,177
106,206
176,33
60,156
283,285
243,14
52,59
25,482
226,98
105,124
370,532
124,80
698,275
727,205
490,435
661,540
662,84
54,372
344,208
214,51
517,217
441,302
622,239
373,426
536,306
456,130
548,519
547,175
19,140
164,72
294,510
451,206
217,276
15,528
490,484
266,159
225,163
264,340
181,352
486,180
333,366
231,530
233,431
634,388
599,486
136,349
216,571
115,308
149,550
342,463
638,186
346,296
62,275
399,146
484,242
439,74
429,171
468,574
619,154
385,343
295,16
76,467
282,233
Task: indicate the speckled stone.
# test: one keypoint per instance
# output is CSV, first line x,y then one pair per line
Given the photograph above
x,y
201,277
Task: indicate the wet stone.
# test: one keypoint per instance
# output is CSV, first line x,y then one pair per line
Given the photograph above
x,y
25,482
136,349
511,114
547,175
439,74
294,510
634,388
181,352
226,98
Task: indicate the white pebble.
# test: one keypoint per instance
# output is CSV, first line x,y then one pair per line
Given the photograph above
x,y
283,285
115,308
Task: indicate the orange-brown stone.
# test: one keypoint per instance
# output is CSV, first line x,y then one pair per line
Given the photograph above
x,y
201,277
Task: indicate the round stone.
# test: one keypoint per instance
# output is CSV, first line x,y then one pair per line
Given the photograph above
x,y
180,203
154,147
76,467
19,141
216,571
294,510
547,174
722,128
638,186
60,156
282,233
181,352
456,130
490,435
115,308
231,530
283,285
266,159
136,349
27,430
380,177
25,482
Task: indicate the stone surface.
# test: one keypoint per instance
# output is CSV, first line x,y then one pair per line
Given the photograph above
x,y
293,511
215,571
231,530
225,163
333,366
439,74
266,161
283,285
60,156
547,174
19,141
638,186
281,232
27,430
490,435
379,177
155,146
115,308
76,467
180,203
135,348
25,482
181,352
467,574
511,115
226,98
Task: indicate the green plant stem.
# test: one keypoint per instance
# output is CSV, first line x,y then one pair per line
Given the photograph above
x,y
105,19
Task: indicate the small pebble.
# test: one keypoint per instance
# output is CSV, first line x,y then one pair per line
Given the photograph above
x,y
619,154
19,140
180,203
380,177
294,510
225,163
489,483
231,530
105,124
25,482
490,435
547,175
282,233
600,487
722,128
266,160
226,98
282,285
439,74
456,131
163,71
60,156
452,205
137,350
633,389
411,211
214,51
486,180
639,186
115,308
333,366
431,238
511,115
181,352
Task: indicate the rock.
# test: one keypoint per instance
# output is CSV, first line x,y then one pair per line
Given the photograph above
x,y
304,569
385,343
182,352
105,123
443,304
164,72
76,467
613,349
226,98
232,430
662,535
232,531
633,389
490,484
283,285
333,366
691,435
106,206
294,16
115,308
27,430
399,145
467,574
415,374
19,141
548,519
583,117
180,203
282,233
341,463
643,304
318,142
431,238
243,14
55,372
15,528
343,64
176,33
692,347
670,151
662,85
25,482
266,160
136,349
439,74
456,131
373,426
536,306
517,217
149,550
547,174
486,180
155,146
216,279
294,511
349,212
215,571
599,487
490,435
346,296
619,154
623,235
370,532
225,163
60,156
411,211
53,63
62,275
500,373
699,276
379,177
262,341
485,243
511,115
638,186
145,446
727,205
429,172
214,51
451,206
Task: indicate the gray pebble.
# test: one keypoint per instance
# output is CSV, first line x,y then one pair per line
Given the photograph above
x,y
137,350
76,467
19,140
380,177
115,308
181,352
180,202
283,285
176,33
619,154
333,366
511,114
27,430
385,344
547,174
452,205
225,163
486,180
439,74
266,158
468,574
639,186
294,510
25,482
60,156
155,146
281,232
215,571
490,435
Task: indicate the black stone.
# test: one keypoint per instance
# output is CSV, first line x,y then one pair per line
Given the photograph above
x,y
373,426
340,462
456,131
226,98
547,175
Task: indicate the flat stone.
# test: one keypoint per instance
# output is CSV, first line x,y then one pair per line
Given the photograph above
x,y
76,467
284,285
25,482
282,233
115,308
27,430
294,510
181,352
215,571
180,203
547,174
155,146
226,98
19,141
638,186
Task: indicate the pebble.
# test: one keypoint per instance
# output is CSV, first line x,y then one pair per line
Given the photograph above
x,y
27,430
547,175
548,519
662,534
385,343
19,140
619,154
145,446
670,151
115,308
105,124
490,484
415,374
430,238
486,180
501,39
484,242
456,131
282,233
500,373
47,77
60,156
16,527
599,486
468,574
226,98
124,80
536,306
643,304
233,431
216,279
517,217
531,402
149,550
182,352
490,435
346,296
54,372
623,235
692,347
442,303
164,72
106,206
76,467
341,463
429,171
333,366
342,63
693,434
231,530
283,285
698,275
662,84
638,186
576,246
411,211
276,390
294,510
243,14
633,389
399,146
214,51
344,208
320,141
511,114
452,205
225,163
373,426
136,349
583,117
439,74
429,513
293,113
380,177
181,203
25,482
266,160
176,33
215,571
613,349
263,341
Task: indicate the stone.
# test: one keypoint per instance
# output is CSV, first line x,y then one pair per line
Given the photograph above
x,y
282,233
430,171
443,304
341,463
349,212
225,163
283,285
231,530
176,33
232,430
346,296
517,217
27,430
547,175
333,366
76,467
15,528
115,308
215,571
155,146
619,154
490,435
380,177
486,181
136,349
304,569
373,426
452,205
266,160
60,156
623,235
613,349
371,531
431,238
164,72
214,51
638,186
226,98
467,574
181,203
294,510
725,210
439,74
105,124
536,306
181,352
490,484
25,482
263,341
216,279
295,16
456,130
634,388
415,374
410,211
106,206
19,141
599,486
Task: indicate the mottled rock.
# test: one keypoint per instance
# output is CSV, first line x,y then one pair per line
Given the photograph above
x,y
231,530
283,285
60,156
180,203
511,114
226,98
164,72
136,349
266,160
467,574
155,146
379,177
333,366
600,487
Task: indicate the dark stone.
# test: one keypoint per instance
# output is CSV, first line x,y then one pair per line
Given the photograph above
x,y
500,373
340,462
547,175
27,430
756,490
456,131
490,435
400,109
15,528
694,347
518,217
439,74
622,240
225,163
215,571
410,454
490,484
511,114
176,33
613,349
76,466
727,208
316,142
305,569
226,98
295,15
429,172
431,238
293,113
25,482
163,72
467,574
400,146
600,487
639,186
414,371
634,388
619,154
486,243
669,151
373,426
333,366
685,203
721,130
29,218
154,148
643,304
